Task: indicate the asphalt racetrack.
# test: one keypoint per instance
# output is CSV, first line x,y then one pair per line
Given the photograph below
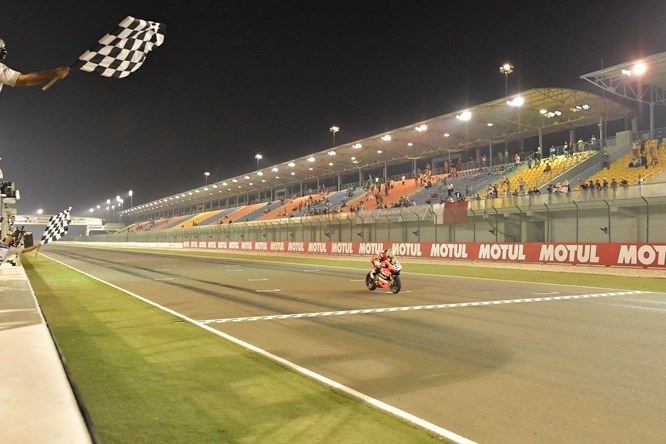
x,y
493,361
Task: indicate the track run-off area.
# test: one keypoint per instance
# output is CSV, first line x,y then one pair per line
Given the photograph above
x,y
486,360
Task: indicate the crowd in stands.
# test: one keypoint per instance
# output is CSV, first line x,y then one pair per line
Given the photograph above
x,y
522,177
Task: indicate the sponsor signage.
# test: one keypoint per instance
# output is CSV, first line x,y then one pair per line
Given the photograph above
x,y
609,254
44,220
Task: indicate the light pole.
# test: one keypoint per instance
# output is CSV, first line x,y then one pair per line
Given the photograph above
x,y
506,69
334,129
119,204
131,200
258,157
206,174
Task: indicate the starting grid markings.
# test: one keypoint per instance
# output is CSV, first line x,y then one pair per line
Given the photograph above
x,y
421,307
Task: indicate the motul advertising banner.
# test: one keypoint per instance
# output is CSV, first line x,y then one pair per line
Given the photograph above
x,y
632,255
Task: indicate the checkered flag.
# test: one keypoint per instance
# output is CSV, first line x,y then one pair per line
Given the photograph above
x,y
57,226
122,51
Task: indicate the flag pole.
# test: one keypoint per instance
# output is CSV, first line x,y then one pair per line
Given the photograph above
x,y
48,85
55,79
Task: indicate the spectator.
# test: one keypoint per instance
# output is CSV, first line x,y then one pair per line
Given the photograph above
x,y
14,78
10,246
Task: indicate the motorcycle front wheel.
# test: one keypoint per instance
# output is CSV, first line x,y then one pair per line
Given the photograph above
x,y
370,282
397,285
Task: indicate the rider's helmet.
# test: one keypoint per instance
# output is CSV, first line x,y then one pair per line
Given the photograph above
x,y
389,255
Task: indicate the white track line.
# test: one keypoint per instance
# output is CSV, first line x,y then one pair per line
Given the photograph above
x,y
420,307
302,370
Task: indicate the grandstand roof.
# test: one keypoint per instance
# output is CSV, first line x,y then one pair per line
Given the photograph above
x,y
642,80
543,111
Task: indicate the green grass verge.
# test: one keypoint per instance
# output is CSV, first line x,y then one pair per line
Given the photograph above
x,y
145,376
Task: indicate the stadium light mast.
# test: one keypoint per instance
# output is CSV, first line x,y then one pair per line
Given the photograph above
x,y
506,69
258,157
206,174
334,129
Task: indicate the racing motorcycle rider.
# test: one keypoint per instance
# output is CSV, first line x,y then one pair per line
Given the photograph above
x,y
381,261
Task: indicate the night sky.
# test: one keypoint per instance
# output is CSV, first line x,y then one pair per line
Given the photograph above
x,y
234,79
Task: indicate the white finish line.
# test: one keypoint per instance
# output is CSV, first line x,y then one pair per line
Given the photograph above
x,y
421,307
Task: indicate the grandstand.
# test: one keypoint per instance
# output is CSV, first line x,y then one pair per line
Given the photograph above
x,y
479,148
495,131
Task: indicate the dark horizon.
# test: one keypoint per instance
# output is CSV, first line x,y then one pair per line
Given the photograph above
x,y
235,80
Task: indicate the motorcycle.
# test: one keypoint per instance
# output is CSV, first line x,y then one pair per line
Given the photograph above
x,y
388,277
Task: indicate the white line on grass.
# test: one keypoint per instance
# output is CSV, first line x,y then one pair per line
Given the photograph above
x,y
302,370
421,307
